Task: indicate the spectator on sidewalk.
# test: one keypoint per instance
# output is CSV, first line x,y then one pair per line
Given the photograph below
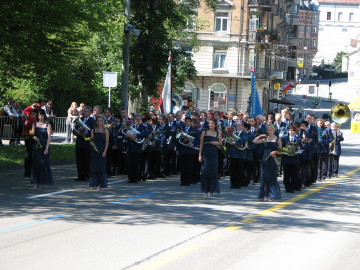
x,y
72,113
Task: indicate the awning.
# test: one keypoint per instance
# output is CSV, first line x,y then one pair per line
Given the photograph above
x,y
282,101
355,104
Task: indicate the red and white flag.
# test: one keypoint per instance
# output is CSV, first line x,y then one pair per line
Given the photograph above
x,y
165,99
286,88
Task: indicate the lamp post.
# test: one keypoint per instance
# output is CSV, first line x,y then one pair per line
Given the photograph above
x,y
125,65
304,68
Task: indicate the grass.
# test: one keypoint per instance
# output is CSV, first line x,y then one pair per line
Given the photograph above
x,y
14,154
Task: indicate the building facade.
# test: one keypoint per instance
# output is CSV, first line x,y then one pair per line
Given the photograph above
x,y
240,34
339,29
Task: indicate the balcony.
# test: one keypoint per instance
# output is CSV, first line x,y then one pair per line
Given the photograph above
x,y
261,5
262,73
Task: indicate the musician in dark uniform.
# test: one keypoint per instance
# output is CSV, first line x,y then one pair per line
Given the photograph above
x,y
291,163
197,165
335,151
166,131
203,121
249,153
118,159
313,131
82,147
111,122
146,154
237,158
176,124
325,139
155,145
134,150
187,153
221,124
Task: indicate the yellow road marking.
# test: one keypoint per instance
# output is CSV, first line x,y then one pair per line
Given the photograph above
x,y
172,257
248,220
233,228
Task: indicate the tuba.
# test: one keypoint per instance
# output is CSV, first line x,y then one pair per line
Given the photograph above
x,y
185,139
78,123
231,137
130,130
339,114
176,101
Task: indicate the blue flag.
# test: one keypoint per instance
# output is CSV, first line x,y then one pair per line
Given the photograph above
x,y
255,107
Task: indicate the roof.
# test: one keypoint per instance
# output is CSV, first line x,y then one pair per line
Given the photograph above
x,y
340,1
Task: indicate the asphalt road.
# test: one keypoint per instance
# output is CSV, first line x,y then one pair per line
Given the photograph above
x,y
161,225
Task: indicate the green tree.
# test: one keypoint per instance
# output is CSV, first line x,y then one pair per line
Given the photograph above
x,y
338,61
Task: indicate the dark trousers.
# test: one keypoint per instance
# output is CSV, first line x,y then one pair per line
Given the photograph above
x,y
257,164
314,167
155,164
304,172
28,157
237,177
291,172
118,161
323,166
330,165
83,156
165,167
335,167
145,165
220,163
186,169
172,162
134,166
248,171
109,154
197,170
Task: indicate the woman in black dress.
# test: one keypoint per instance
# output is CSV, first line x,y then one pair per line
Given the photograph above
x,y
210,142
100,143
269,187
40,171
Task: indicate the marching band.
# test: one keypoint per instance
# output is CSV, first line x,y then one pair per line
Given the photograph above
x,y
154,146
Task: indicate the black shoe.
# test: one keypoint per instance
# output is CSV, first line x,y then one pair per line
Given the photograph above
x,y
184,184
79,179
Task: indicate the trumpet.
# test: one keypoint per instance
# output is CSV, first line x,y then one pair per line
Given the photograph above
x,y
185,139
78,123
131,131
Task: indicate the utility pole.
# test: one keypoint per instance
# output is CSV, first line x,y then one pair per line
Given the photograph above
x,y
125,56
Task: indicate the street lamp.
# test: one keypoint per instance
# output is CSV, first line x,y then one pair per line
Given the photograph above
x,y
304,68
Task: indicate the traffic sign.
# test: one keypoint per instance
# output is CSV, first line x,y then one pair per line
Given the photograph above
x,y
304,97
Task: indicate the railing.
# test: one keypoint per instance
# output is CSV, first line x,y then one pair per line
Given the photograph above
x,y
13,128
260,3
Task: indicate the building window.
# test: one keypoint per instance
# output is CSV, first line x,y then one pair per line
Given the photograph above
x,y
343,29
221,22
309,16
315,29
316,17
302,15
308,29
314,43
309,42
328,16
351,16
340,16
301,43
219,60
302,28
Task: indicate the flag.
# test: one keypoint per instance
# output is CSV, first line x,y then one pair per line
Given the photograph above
x,y
286,88
165,99
255,107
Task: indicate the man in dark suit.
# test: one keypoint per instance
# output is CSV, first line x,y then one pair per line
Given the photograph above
x,y
187,154
335,151
82,148
134,150
176,124
203,121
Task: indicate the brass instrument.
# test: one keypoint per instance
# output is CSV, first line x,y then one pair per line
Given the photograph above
x,y
147,141
131,131
110,124
185,139
339,114
78,122
231,137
